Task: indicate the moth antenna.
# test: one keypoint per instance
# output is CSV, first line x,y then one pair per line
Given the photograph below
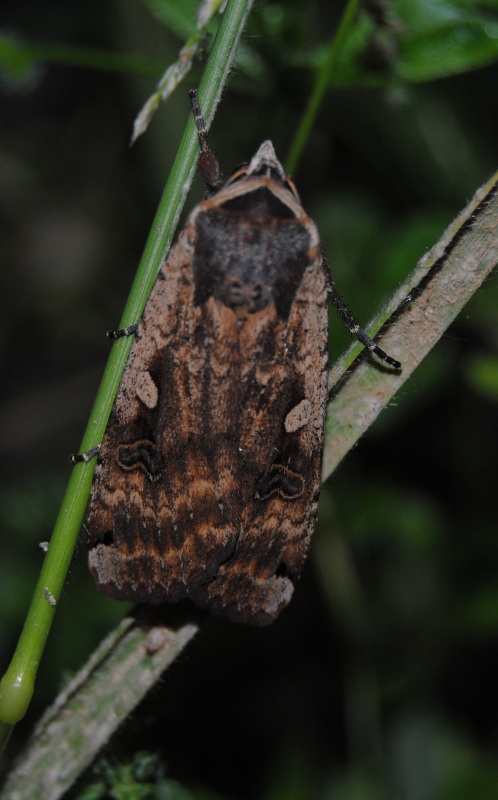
x,y
208,164
357,331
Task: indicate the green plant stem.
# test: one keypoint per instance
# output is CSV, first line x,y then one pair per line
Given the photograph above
x,y
17,685
418,314
123,668
321,85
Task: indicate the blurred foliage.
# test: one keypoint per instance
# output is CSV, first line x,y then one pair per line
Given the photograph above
x,y
143,778
379,680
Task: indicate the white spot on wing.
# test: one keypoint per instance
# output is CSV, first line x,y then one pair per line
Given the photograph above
x,y
298,416
147,390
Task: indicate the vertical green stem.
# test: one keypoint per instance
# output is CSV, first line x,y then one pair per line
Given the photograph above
x,y
17,685
321,85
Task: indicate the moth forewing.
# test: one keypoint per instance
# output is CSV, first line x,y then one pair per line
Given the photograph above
x,y
208,476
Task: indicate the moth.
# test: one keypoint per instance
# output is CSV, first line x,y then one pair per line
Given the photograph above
x,y
208,477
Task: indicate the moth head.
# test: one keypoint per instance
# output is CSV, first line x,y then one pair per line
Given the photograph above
x,y
265,164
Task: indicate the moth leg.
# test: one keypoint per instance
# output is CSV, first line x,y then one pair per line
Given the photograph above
x,y
78,458
129,331
208,164
356,330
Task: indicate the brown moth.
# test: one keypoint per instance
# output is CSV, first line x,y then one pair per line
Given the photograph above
x,y
208,476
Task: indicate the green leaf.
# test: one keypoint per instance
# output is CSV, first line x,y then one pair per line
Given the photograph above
x,y
446,37
419,40
178,16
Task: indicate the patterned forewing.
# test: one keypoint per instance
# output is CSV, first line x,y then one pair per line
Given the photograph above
x,y
164,509
281,441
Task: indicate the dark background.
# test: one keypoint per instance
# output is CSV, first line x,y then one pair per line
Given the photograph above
x,y
379,680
